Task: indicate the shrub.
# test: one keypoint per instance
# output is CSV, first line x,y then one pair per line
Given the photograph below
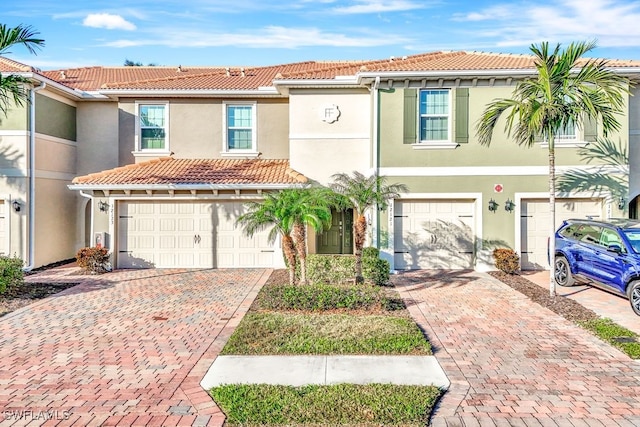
x,y
506,260
374,269
321,297
93,260
11,273
331,268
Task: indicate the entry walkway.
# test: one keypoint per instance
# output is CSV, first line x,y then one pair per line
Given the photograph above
x,y
512,362
127,348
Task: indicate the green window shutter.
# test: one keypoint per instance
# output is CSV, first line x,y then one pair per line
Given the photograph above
x,y
462,116
410,116
590,130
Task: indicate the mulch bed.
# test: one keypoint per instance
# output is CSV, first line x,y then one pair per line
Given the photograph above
x,y
22,295
563,306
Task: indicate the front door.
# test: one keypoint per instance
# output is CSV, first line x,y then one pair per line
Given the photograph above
x,y
339,238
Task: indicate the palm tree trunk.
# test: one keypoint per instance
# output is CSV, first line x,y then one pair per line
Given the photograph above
x,y
290,254
359,232
300,233
552,217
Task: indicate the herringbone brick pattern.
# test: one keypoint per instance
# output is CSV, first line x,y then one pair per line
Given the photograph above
x,y
514,363
126,348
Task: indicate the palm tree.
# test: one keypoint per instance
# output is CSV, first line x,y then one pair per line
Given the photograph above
x,y
12,87
566,90
274,212
310,207
362,193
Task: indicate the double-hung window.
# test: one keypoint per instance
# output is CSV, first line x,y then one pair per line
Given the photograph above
x,y
153,126
435,112
568,132
240,128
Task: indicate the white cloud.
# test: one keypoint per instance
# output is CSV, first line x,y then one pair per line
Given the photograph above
x,y
378,6
108,21
614,23
268,37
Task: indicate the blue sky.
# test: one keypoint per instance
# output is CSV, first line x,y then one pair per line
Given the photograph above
x,y
263,32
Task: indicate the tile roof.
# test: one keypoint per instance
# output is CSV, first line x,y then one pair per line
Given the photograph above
x,y
252,78
168,170
7,64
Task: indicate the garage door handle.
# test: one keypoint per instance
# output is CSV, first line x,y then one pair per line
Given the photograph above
x,y
196,238
267,251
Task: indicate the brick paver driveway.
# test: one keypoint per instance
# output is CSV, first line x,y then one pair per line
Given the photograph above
x,y
512,362
128,348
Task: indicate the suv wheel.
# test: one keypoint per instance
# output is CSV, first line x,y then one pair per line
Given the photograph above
x,y
634,296
562,273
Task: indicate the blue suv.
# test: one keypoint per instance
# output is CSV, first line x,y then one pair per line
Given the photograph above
x,y
602,253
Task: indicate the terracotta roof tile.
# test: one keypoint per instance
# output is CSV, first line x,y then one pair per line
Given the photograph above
x,y
168,170
7,64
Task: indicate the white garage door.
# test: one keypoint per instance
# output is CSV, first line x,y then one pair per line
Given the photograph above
x,y
188,235
534,224
433,234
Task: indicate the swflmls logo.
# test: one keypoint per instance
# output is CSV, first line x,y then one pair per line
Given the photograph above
x,y
30,415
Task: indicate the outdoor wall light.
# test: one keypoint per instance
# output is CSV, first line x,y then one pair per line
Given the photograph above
x,y
509,206
621,203
493,205
16,206
103,206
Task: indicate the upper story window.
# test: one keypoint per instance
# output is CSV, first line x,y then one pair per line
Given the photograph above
x,y
435,115
569,132
239,135
153,127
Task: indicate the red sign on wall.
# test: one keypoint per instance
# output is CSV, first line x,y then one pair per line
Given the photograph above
x,y
497,188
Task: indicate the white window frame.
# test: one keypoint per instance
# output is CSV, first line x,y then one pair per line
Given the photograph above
x,y
253,151
139,151
449,117
568,141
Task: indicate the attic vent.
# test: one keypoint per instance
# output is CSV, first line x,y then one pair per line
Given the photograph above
x,y
179,70
63,75
242,72
404,57
392,58
227,71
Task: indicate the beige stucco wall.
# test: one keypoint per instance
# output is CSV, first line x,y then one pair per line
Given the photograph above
x,y
634,144
319,149
97,137
195,129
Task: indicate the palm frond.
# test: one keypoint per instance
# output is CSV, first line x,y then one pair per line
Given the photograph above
x,y
20,35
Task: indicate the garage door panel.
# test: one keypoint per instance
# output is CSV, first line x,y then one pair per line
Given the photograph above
x,y
534,226
187,234
434,234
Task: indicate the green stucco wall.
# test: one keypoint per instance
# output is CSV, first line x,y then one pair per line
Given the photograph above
x,y
55,118
16,118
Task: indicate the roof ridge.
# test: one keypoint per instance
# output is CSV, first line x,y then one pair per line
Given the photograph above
x,y
162,79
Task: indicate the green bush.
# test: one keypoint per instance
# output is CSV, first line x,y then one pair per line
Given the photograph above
x,y
93,260
506,260
11,273
331,268
320,297
374,269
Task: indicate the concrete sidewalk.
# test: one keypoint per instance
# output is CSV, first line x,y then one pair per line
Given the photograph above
x,y
303,370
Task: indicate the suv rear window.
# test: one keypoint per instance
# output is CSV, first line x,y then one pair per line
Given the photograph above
x,y
586,233
634,238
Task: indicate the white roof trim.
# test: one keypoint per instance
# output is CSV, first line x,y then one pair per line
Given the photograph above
x,y
183,186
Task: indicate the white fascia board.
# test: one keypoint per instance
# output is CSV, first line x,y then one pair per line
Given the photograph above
x,y
337,81
112,187
271,91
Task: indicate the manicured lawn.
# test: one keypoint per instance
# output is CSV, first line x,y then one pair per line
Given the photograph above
x,y
343,404
279,333
327,320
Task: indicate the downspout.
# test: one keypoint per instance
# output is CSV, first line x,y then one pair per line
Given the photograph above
x,y
32,174
376,163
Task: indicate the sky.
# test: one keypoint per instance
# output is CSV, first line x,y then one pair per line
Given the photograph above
x,y
263,32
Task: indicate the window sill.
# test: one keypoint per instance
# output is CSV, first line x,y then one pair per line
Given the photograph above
x,y
435,146
566,144
240,154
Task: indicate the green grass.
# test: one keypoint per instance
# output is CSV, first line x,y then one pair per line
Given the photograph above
x,y
608,331
277,333
342,404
